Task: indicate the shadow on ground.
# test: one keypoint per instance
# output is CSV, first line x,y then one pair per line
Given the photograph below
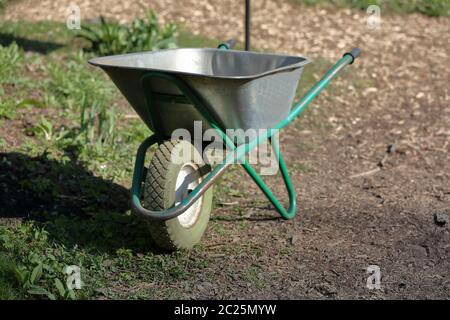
x,y
43,47
73,205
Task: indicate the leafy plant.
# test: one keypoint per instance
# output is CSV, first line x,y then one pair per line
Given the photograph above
x,y
434,7
7,109
97,124
146,34
37,269
84,92
74,84
43,129
11,58
9,106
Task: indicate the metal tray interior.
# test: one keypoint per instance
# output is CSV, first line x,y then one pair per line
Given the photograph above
x,y
241,89
215,63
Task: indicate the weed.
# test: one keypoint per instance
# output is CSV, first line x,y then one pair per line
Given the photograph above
x,y
11,58
76,86
254,276
8,287
37,269
146,34
83,91
8,109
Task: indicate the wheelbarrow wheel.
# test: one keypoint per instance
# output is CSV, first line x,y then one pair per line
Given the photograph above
x,y
170,178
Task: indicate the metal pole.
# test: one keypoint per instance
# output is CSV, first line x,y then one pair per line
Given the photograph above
x,y
247,24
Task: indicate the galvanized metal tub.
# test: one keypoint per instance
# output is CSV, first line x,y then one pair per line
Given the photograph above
x,y
242,90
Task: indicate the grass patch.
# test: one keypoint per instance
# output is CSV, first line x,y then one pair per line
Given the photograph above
x,y
433,8
254,275
9,289
13,84
41,261
42,37
69,174
11,58
188,40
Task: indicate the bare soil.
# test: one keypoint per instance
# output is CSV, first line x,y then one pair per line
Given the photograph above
x,y
374,152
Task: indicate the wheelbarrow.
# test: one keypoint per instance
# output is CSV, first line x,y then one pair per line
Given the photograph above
x,y
221,89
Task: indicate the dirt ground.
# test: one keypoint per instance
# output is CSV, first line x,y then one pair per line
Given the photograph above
x,y
375,149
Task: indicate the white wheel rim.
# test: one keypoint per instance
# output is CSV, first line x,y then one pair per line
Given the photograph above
x,y
187,180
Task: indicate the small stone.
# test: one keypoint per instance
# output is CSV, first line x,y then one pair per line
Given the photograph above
x,y
441,219
392,148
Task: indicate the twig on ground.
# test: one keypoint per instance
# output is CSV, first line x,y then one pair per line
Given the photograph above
x,y
366,173
227,204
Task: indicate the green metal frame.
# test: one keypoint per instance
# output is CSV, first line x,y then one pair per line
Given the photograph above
x,y
188,96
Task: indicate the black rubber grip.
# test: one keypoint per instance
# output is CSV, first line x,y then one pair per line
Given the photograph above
x,y
354,53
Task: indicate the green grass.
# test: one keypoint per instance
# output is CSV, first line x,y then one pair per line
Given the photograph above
x,y
255,276
105,258
70,175
432,8
188,40
66,174
9,288
41,37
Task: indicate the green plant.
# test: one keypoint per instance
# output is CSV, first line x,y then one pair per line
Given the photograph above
x,y
8,287
37,269
9,106
44,129
109,37
74,84
428,7
11,58
434,7
7,109
97,124
84,92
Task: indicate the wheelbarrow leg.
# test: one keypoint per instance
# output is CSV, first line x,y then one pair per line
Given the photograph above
x,y
292,210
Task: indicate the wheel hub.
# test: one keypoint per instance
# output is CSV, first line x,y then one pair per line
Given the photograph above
x,y
187,180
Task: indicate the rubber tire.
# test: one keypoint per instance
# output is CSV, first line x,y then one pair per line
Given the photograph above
x,y
159,194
